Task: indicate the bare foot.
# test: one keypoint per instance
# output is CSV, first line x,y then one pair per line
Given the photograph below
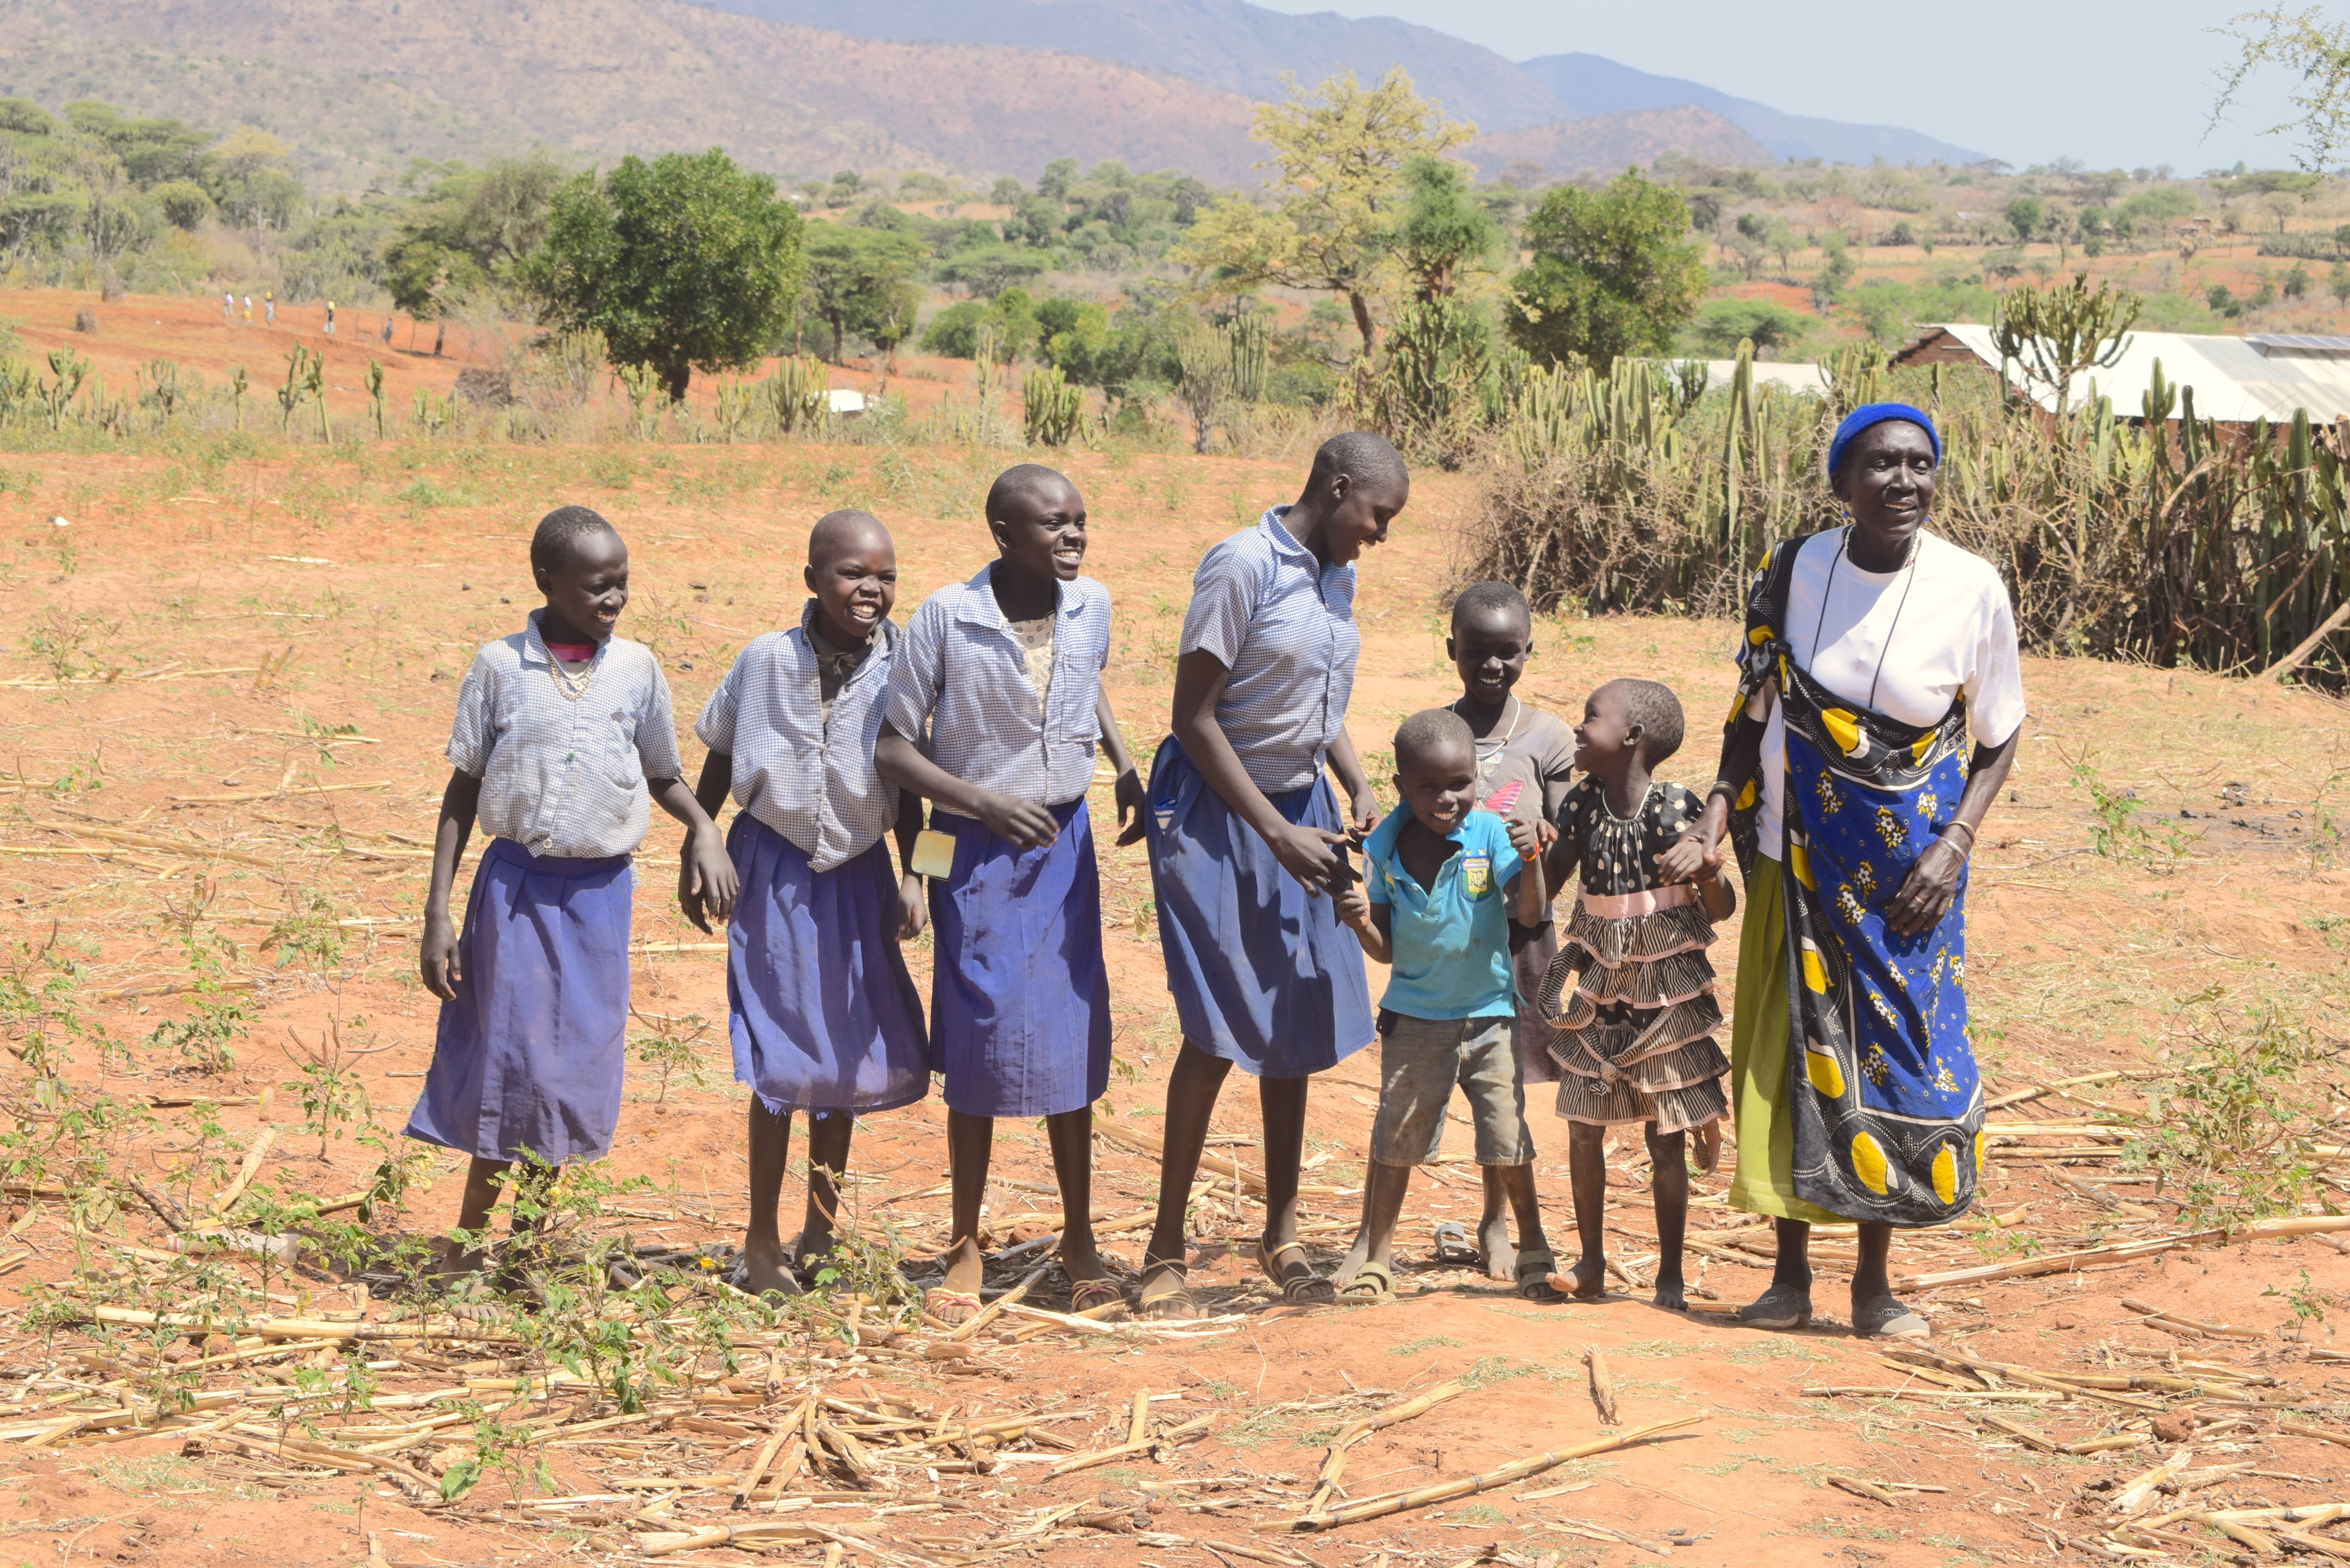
x,y
455,1262
1501,1255
1670,1293
1708,1145
765,1268
1585,1281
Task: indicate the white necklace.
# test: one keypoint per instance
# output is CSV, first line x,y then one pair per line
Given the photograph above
x,y
1489,750
573,686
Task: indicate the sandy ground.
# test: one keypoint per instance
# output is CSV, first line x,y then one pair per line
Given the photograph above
x,y
327,590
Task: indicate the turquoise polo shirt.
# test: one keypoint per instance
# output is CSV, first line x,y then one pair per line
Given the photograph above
x,y
1452,940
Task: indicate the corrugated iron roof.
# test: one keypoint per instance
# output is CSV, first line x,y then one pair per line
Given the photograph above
x,y
2233,380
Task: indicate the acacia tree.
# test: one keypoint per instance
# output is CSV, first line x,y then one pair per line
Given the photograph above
x,y
1613,273
1338,158
2303,43
862,280
684,263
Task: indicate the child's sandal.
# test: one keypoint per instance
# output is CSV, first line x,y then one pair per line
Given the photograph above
x,y
1304,1288
1175,1304
1371,1285
1102,1300
952,1308
1452,1248
1534,1269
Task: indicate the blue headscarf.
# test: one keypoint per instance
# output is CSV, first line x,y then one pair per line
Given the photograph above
x,y
1869,415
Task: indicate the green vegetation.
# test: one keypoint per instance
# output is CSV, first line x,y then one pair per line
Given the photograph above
x,y
682,263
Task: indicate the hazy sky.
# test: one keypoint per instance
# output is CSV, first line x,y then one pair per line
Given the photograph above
x,y
2026,80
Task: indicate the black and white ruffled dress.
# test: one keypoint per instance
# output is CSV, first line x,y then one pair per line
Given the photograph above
x,y
1631,991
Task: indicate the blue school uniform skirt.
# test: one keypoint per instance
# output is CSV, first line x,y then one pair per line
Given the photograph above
x,y
1019,998
1263,973
529,1053
820,1009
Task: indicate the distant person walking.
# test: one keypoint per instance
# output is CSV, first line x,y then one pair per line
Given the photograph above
x,y
228,306
268,308
387,331
248,307
330,319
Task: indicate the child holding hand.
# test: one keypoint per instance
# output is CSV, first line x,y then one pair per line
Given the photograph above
x,y
1442,884
995,708
1631,991
562,739
822,1013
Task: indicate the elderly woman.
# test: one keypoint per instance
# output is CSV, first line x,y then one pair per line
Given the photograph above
x,y
1873,653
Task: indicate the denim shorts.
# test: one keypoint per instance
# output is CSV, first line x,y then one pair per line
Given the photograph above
x,y
1420,1060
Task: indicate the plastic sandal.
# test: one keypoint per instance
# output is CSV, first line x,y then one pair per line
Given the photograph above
x,y
1780,1307
1307,1289
953,1308
1097,1299
1452,1248
1885,1318
1534,1269
1371,1285
1173,1306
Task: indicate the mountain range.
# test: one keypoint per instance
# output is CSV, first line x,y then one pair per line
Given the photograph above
x,y
360,87
1246,49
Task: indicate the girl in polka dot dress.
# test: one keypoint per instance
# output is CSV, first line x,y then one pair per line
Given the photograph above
x,y
1631,991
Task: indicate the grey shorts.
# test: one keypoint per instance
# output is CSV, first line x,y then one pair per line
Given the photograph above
x,y
1420,1061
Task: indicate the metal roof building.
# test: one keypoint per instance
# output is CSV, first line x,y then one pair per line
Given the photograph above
x,y
2236,380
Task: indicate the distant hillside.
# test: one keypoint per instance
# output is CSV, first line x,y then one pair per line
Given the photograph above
x,y
1227,44
1594,84
359,87
1608,143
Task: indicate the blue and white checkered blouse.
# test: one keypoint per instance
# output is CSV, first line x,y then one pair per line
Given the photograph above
x,y
559,776
958,689
803,773
1283,625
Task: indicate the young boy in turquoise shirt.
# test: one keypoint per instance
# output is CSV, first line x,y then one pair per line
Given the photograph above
x,y
1442,881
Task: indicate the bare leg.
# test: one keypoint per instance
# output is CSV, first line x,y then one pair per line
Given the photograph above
x,y
1788,1302
1875,1308
1516,1183
828,1137
1071,1135
1668,1186
1494,1228
453,1259
971,1141
764,1266
1281,1102
1191,1090
1587,1168
1384,1186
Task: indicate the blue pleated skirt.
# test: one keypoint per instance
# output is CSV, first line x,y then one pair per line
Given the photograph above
x,y
528,1054
1263,973
1019,997
820,1009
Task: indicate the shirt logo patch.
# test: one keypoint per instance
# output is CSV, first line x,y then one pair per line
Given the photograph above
x,y
1477,875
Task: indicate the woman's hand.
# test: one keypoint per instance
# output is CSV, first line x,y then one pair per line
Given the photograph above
x,y
913,907
1695,856
1132,801
1312,856
1020,822
1363,809
436,957
1927,892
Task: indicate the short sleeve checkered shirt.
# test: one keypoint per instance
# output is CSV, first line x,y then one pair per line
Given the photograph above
x,y
560,777
806,772
958,689
1283,625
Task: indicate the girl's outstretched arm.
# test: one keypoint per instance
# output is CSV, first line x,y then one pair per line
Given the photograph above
x,y
1699,845
436,957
